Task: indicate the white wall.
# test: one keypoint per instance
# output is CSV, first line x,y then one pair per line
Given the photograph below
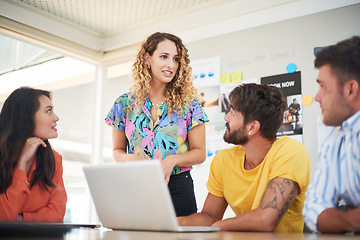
x,y
267,50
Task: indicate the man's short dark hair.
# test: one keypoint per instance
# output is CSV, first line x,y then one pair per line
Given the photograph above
x,y
344,59
262,103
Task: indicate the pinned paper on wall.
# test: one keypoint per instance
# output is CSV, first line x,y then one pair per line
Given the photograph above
x,y
307,100
225,79
236,77
291,68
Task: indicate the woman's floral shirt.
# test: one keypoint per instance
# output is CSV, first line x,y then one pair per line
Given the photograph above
x,y
168,135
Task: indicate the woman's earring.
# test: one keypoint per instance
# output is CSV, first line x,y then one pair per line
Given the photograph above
x,y
148,67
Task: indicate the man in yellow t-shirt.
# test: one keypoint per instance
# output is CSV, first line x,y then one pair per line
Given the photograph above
x,y
263,179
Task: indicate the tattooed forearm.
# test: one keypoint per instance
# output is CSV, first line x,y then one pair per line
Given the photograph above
x,y
290,200
279,194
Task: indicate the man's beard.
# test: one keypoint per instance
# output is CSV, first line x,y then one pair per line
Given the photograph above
x,y
237,137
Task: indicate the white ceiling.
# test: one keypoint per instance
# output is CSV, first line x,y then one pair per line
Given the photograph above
x,y
107,16
110,30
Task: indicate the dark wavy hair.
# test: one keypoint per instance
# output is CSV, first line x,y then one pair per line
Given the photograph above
x,y
344,59
16,126
262,103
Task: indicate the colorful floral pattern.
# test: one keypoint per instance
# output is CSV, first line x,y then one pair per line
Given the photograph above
x,y
167,136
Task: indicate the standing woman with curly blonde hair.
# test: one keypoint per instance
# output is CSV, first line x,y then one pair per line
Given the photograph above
x,y
161,117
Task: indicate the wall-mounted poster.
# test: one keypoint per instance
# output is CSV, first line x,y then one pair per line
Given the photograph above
x,y
206,72
290,85
206,75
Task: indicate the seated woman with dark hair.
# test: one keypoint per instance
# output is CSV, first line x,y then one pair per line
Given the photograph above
x,y
31,183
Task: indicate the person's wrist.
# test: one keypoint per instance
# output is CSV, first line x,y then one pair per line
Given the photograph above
x,y
20,165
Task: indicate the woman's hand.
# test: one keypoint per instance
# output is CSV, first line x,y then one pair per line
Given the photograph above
x,y
28,152
168,165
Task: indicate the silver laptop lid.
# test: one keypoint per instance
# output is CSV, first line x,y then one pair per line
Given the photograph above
x,y
132,195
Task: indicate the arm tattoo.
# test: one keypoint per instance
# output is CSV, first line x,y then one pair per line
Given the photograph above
x,y
274,195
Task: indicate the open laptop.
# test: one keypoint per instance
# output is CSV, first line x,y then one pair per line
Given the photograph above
x,y
134,196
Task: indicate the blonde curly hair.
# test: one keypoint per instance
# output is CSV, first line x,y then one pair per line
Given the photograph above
x,y
180,91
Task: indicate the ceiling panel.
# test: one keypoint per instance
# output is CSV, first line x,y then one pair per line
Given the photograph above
x,y
106,16
111,30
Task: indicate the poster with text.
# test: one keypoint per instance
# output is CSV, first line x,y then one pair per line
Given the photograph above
x,y
290,86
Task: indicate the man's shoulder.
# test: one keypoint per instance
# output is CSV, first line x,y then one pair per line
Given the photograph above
x,y
229,154
225,158
353,123
287,141
289,146
328,135
290,159
230,150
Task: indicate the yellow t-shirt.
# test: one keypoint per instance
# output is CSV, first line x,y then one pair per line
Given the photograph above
x,y
243,189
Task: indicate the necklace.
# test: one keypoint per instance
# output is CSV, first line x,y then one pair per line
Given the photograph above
x,y
159,104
